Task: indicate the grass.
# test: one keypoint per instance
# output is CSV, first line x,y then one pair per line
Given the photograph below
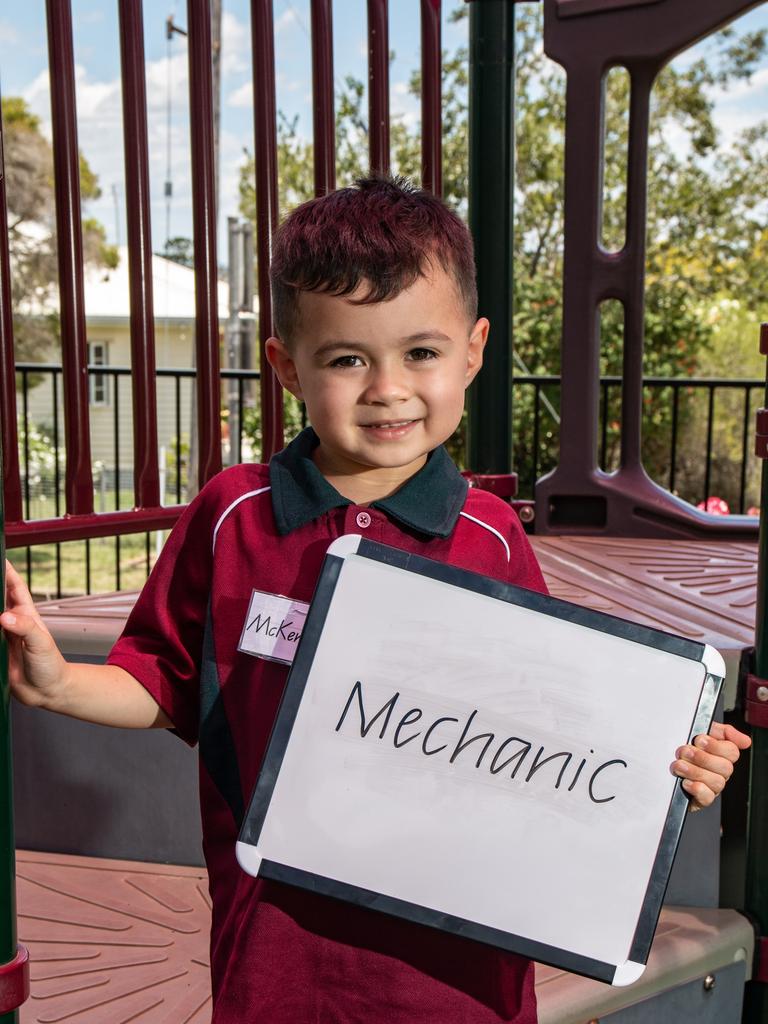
x,y
98,566
87,567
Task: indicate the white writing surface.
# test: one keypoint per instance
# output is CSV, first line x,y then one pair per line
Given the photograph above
x,y
482,759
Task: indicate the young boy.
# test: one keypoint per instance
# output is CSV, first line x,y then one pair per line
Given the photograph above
x,y
375,311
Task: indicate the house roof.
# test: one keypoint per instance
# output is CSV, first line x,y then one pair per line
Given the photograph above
x,y
107,295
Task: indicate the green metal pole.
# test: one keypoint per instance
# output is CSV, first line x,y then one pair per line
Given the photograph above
x,y
491,204
8,937
756,997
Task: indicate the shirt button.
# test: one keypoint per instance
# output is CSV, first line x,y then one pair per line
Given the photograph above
x,y
363,520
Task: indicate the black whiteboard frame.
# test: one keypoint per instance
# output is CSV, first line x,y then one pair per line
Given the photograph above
x,y
543,603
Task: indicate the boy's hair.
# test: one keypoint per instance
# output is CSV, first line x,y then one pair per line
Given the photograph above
x,y
383,232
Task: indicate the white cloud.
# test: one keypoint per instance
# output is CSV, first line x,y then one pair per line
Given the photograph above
x,y
242,96
93,17
231,160
286,21
404,105
737,92
8,34
284,83
736,122
37,96
235,45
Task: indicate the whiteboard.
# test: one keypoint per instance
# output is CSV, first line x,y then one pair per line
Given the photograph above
x,y
481,758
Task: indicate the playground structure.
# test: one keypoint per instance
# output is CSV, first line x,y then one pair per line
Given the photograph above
x,y
615,541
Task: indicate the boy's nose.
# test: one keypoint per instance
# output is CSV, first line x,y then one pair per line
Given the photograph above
x,y
385,387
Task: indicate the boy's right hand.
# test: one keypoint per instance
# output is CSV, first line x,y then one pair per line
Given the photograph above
x,y
36,667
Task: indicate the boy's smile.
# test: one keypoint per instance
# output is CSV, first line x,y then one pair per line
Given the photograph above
x,y
383,382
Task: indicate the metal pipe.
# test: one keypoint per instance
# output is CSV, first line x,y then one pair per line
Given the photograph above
x,y
78,483
708,460
102,524
431,99
265,152
378,86
673,455
744,452
146,475
8,936
323,118
634,281
204,229
491,148
756,876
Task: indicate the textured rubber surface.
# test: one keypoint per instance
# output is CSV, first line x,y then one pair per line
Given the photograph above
x,y
113,941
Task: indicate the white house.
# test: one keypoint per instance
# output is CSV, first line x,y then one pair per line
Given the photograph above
x,y
107,308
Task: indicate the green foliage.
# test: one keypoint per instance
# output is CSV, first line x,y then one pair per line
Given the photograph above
x,y
28,161
180,250
706,237
293,421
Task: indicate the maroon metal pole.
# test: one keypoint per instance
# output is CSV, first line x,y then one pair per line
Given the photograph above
x,y
78,481
378,86
431,99
204,228
146,480
324,124
631,288
265,151
10,451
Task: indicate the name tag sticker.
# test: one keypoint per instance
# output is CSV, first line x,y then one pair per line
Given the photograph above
x,y
273,627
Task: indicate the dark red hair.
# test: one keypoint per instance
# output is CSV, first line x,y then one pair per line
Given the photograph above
x,y
383,232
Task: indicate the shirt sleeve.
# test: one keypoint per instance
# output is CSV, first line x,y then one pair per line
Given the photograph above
x,y
162,642
524,568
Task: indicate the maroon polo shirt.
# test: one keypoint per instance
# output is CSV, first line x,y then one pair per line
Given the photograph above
x,y
282,955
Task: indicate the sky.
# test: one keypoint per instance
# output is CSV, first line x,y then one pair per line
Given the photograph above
x,y
23,72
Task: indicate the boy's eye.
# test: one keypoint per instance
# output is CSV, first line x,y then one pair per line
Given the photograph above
x,y
344,361
420,355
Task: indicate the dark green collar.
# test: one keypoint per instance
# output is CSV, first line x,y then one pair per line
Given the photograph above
x,y
429,502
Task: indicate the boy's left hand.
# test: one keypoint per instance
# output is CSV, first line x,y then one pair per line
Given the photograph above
x,y
706,765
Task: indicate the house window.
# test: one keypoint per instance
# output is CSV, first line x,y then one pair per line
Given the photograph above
x,y
98,383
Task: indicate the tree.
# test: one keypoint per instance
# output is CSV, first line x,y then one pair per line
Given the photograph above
x,y
28,159
706,226
179,250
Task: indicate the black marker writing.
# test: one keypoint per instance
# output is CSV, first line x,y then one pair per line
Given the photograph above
x,y
553,768
282,629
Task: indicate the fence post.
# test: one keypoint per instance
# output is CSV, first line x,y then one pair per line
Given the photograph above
x,y
491,199
756,708
14,970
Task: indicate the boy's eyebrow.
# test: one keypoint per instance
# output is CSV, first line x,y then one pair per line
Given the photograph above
x,y
431,334
331,346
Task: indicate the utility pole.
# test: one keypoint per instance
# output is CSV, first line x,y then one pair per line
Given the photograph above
x,y
240,324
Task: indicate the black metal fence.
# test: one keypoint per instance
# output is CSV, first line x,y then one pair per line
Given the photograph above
x,y
697,443
697,434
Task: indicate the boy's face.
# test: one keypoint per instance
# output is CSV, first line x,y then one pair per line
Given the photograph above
x,y
383,383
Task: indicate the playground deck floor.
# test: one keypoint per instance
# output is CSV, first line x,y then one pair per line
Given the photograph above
x,y
124,941
113,940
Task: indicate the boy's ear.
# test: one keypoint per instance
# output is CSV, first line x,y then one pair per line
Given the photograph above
x,y
282,363
477,339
